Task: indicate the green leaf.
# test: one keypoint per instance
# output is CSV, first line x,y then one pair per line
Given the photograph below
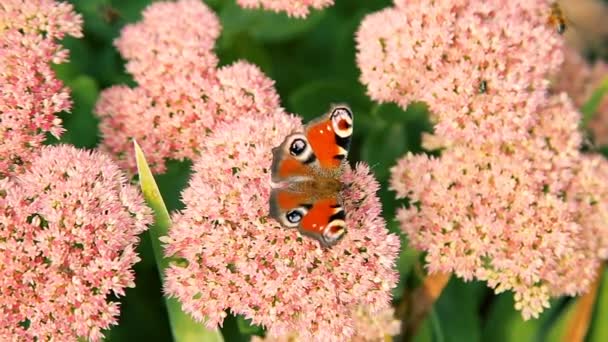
x,y
81,124
315,98
505,324
457,312
246,328
598,331
184,328
265,25
590,107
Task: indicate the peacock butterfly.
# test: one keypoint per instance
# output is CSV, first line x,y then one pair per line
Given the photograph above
x,y
306,169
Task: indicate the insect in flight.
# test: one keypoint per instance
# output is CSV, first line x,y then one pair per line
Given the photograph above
x,y
306,171
557,19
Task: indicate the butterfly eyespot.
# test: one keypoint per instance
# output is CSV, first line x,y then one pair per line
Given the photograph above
x,y
297,147
342,121
294,216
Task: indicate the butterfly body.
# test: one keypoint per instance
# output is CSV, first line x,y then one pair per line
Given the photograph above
x,y
306,170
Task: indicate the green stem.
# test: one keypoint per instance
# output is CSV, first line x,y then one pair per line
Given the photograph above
x,y
183,327
590,107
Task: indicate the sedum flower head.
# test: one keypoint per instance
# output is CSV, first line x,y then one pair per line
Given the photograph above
x,y
380,326
68,231
30,93
230,247
479,66
293,8
181,96
580,79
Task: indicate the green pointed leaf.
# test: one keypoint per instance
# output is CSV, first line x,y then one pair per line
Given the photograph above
x,y
590,107
184,328
598,331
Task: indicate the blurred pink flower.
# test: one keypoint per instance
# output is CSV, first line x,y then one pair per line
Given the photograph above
x,y
30,94
580,79
380,326
181,95
479,66
590,191
68,231
231,247
293,8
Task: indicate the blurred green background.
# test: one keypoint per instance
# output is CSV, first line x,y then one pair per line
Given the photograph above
x,y
313,64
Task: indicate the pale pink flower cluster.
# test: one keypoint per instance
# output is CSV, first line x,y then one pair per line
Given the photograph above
x,y
293,8
68,231
501,203
380,326
480,66
182,95
235,257
30,94
580,79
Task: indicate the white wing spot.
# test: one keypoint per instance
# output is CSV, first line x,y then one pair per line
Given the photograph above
x,y
321,131
314,225
328,127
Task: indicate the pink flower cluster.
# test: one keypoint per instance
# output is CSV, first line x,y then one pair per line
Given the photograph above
x,y
510,201
30,94
235,257
481,67
293,8
380,326
68,231
181,95
580,79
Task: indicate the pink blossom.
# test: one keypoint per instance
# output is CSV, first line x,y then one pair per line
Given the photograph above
x,y
230,246
502,213
173,39
68,231
180,98
590,191
293,8
479,66
580,79
368,328
30,94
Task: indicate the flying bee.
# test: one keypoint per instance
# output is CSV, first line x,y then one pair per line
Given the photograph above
x,y
557,19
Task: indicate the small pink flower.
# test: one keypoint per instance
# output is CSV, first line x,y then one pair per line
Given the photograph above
x,y
368,328
231,247
580,79
180,98
173,39
30,94
68,231
590,190
502,213
293,8
479,66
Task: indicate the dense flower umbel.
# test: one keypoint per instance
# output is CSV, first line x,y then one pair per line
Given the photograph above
x,y
238,258
293,8
181,95
68,230
505,213
480,66
580,79
368,328
30,94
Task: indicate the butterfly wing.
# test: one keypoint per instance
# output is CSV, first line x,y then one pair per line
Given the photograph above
x,y
319,218
310,163
330,137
